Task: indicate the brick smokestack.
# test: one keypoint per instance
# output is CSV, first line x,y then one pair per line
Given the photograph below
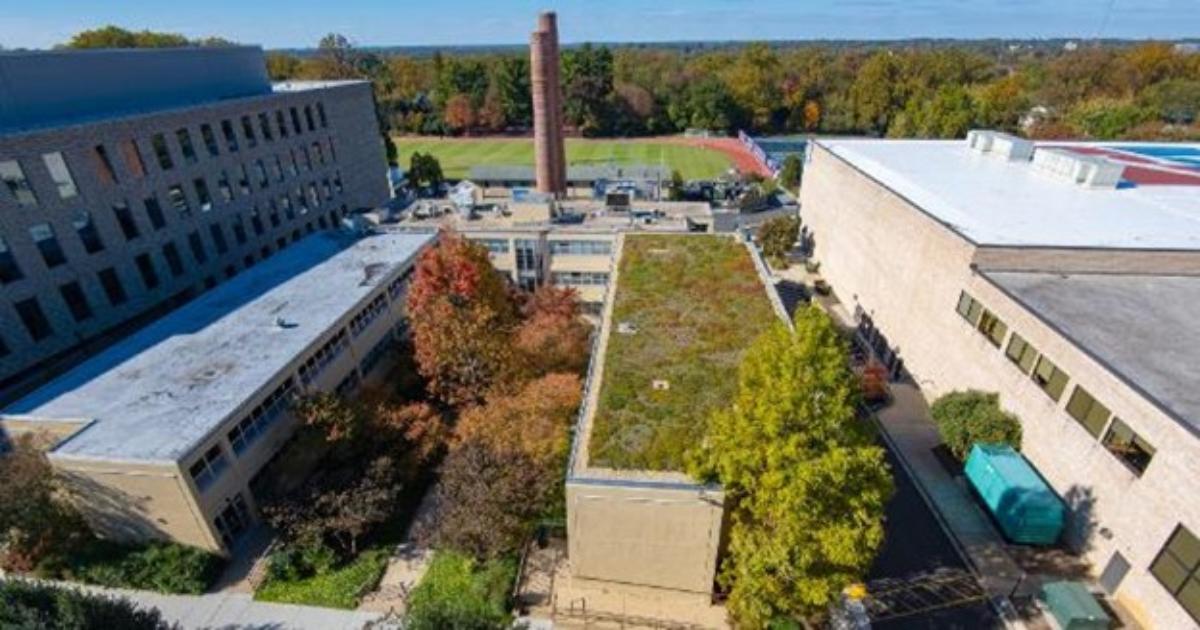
x,y
548,148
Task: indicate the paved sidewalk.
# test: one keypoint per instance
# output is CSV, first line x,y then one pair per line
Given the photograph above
x,y
912,433
229,611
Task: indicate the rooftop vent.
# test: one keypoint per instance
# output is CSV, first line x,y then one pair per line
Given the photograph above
x,y
284,323
999,144
372,272
1085,170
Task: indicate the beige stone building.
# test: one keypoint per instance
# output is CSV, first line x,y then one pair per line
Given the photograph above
x,y
1065,278
162,435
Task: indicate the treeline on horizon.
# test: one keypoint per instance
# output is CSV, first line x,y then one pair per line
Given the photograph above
x,y
1145,91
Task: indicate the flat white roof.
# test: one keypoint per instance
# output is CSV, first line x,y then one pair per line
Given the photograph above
x,y
157,394
993,201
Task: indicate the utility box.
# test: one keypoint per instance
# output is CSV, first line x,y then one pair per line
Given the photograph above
x,y
1073,607
1026,508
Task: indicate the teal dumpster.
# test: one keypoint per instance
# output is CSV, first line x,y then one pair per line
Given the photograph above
x,y
1026,508
1073,607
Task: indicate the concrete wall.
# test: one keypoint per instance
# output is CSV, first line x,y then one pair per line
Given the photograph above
x,y
350,143
906,271
652,536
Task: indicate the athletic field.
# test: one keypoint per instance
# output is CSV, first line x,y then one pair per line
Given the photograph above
x,y
458,155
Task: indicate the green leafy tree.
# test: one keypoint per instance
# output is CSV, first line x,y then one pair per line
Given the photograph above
x,y
1106,118
460,593
967,417
805,485
676,191
790,172
874,93
1176,101
116,37
511,78
425,171
587,80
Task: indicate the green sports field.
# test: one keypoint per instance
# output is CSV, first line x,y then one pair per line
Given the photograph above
x,y
457,156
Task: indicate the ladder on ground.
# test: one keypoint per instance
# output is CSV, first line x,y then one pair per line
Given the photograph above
x,y
942,589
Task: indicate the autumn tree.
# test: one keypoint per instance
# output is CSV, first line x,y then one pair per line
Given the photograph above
x,y
552,336
116,37
459,114
534,421
462,317
805,485
36,517
777,236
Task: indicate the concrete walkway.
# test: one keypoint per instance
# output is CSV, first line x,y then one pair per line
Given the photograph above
x,y
909,429
230,610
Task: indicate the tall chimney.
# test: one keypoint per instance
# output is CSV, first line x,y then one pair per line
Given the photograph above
x,y
549,151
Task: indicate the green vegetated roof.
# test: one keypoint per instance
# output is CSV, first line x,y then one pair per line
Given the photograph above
x,y
697,303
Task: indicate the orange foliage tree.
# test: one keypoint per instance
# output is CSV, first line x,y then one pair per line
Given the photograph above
x,y
552,337
462,318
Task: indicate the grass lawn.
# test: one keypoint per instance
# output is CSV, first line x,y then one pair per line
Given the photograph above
x,y
697,303
457,156
338,588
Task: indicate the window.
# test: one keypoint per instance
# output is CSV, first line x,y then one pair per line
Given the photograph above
x,y
375,355
231,143
308,117
14,179
218,237
319,151
178,200
307,158
295,121
313,196
323,356
233,521
347,385
76,301
132,157
239,230
281,123
288,211
113,289
202,195
9,270
256,222
88,235
224,188
208,468
197,247
60,174
125,220
300,201
581,278
332,151
1051,379
274,215
159,143
1129,447
992,327
210,140
1176,568
146,268
292,169
248,131
264,127
104,167
580,248
261,171
154,212
243,179
321,115
969,308
277,169
368,314
337,181
1021,353
185,145
1087,411
47,243
34,319
256,423
174,261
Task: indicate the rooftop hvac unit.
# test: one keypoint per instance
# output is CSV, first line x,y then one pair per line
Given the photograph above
x,y
999,144
1085,170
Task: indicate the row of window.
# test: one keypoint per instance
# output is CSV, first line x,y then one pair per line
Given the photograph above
x,y
38,325
580,278
324,355
494,245
364,317
47,243
1119,439
580,248
375,355
231,134
13,176
255,424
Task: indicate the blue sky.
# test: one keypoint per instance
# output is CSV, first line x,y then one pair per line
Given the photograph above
x,y
284,23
